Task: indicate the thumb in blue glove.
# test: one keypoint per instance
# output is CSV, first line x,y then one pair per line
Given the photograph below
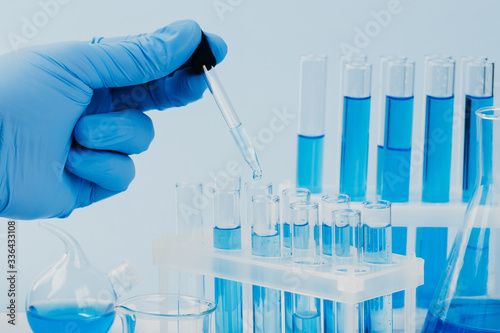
x,y
71,113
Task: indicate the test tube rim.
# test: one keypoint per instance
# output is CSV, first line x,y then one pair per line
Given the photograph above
x,y
265,198
226,190
488,112
296,190
304,205
313,57
336,198
376,204
261,184
186,184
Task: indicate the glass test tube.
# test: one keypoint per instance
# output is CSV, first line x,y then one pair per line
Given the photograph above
x,y
377,249
288,197
478,88
227,236
311,122
306,249
381,113
396,156
440,76
189,208
329,204
266,243
252,188
348,318
355,129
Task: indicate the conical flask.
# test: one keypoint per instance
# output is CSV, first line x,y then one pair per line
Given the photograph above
x,y
72,295
467,299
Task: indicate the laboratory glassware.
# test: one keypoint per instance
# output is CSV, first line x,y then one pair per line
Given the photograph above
x,y
165,313
349,317
440,76
311,131
356,87
467,299
377,249
226,181
478,89
396,153
236,128
72,294
190,202
289,196
384,60
266,242
306,250
227,236
329,204
252,188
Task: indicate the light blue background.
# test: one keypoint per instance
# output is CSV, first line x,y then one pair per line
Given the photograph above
x,y
260,74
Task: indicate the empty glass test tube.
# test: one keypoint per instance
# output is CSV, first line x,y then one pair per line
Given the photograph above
x,y
348,316
329,204
311,122
266,243
227,236
189,208
396,154
478,88
306,249
288,197
356,88
440,76
377,249
252,188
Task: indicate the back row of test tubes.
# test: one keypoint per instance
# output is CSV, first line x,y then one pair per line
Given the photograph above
x,y
394,156
309,233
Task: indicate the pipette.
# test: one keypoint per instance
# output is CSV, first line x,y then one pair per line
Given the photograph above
x,y
203,62
237,130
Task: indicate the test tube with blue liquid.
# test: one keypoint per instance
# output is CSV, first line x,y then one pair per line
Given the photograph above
x,y
355,130
306,250
311,122
478,88
377,249
288,197
349,317
329,204
227,236
440,77
266,242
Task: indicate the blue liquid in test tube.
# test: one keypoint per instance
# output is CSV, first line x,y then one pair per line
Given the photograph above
x,y
377,249
266,243
227,236
311,122
478,94
355,130
438,130
290,196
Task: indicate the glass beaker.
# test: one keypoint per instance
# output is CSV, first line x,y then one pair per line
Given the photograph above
x,y
467,299
166,313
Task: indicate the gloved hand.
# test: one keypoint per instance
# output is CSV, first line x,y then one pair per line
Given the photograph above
x,y
71,113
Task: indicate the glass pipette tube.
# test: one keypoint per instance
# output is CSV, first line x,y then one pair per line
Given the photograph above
x,y
311,122
237,130
377,249
355,131
227,236
329,204
440,76
306,249
266,233
288,197
478,94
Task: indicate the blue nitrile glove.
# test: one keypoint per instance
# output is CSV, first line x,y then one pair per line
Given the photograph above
x,y
71,113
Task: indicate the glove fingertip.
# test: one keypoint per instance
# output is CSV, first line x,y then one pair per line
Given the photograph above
x,y
218,46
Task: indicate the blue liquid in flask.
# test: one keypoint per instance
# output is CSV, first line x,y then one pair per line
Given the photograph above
x,y
437,149
354,151
266,301
310,162
228,294
465,315
471,163
67,317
